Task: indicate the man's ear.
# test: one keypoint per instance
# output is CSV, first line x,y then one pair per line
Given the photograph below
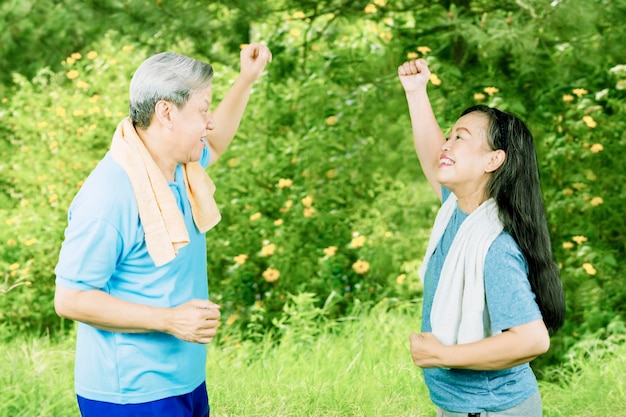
x,y
163,113
496,159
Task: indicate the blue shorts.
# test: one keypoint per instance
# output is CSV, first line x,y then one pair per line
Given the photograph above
x,y
194,404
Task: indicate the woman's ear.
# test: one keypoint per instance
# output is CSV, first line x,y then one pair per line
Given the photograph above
x,y
496,159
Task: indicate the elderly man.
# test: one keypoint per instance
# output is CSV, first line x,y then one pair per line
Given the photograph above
x,y
132,269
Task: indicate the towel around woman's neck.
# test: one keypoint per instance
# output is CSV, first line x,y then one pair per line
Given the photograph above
x,y
458,312
162,220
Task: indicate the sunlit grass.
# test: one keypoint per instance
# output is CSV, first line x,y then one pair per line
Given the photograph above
x,y
357,367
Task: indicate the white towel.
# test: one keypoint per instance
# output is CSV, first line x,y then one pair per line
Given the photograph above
x,y
458,313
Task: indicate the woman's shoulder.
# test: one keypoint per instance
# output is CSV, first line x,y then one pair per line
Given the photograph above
x,y
505,251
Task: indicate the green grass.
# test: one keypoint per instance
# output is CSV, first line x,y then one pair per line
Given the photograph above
x,y
356,367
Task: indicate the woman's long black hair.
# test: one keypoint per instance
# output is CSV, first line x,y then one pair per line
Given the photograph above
x,y
516,190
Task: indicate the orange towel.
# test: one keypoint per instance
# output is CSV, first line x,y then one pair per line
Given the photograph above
x,y
160,216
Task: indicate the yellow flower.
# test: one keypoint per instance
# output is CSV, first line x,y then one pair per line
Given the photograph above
x,y
596,147
370,8
12,220
268,250
13,267
82,85
76,55
434,78
589,269
278,222
591,176
60,111
53,198
579,92
30,242
11,242
53,145
92,55
294,32
285,183
361,267
331,120
271,274
589,121
255,216
308,211
491,90
241,259
412,55
287,206
423,50
72,74
232,318
233,162
78,112
568,245
332,173
596,201
380,3
479,96
579,239
307,201
128,48
330,251
401,278
386,36
299,15
357,242
568,98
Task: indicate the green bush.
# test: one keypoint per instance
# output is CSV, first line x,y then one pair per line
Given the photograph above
x,y
321,190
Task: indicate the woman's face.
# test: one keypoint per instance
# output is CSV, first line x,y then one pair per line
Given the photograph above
x,y
466,160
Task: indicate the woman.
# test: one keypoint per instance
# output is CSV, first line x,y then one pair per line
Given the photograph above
x,y
492,292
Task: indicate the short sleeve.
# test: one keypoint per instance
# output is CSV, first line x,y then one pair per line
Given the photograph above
x,y
510,300
89,254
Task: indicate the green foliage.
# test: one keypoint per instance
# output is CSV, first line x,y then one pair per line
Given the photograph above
x,y
321,190
58,127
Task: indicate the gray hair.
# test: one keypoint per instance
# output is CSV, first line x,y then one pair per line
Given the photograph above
x,y
165,76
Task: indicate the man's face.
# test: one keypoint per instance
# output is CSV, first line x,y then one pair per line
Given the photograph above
x,y
191,123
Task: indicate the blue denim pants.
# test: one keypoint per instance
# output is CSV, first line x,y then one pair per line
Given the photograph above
x,y
531,407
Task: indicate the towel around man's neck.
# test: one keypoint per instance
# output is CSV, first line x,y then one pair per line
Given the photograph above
x,y
162,220
458,312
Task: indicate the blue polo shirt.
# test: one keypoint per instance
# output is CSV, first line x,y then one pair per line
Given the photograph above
x,y
104,249
510,302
